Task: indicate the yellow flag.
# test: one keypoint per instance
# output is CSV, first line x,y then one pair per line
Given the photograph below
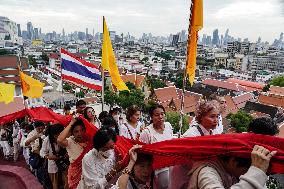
x,y
7,92
31,87
109,63
196,24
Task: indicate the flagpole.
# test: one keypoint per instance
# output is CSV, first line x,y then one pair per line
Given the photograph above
x,y
20,69
185,73
62,92
103,75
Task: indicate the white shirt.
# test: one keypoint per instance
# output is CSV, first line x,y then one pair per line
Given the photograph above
x,y
218,130
47,150
123,131
35,145
194,132
74,149
149,135
129,186
94,169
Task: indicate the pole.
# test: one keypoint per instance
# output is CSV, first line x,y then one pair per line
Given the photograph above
x,y
62,92
20,69
103,74
185,73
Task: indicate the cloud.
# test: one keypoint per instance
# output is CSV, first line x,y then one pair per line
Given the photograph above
x,y
244,18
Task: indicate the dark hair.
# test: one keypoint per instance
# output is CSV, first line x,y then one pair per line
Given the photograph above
x,y
54,130
103,115
29,127
116,109
80,102
38,124
77,123
110,122
86,113
263,125
154,107
67,107
131,111
141,157
241,162
24,125
103,136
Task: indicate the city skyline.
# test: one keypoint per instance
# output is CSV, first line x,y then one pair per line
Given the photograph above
x,y
245,19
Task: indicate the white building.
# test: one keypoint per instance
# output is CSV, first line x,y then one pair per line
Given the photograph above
x,y
9,32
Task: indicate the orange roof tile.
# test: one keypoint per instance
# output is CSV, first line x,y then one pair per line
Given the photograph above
x,y
166,94
251,86
133,78
12,107
276,90
274,100
241,100
231,106
223,84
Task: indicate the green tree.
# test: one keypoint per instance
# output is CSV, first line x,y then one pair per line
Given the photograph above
x,y
144,60
278,81
266,88
132,97
45,57
3,52
240,121
111,98
80,94
174,119
32,61
67,87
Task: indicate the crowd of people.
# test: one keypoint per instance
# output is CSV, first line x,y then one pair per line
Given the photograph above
x,y
66,157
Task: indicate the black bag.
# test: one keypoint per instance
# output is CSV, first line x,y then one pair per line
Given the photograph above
x,y
63,161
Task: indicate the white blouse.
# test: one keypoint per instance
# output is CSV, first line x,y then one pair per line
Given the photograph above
x,y
94,169
149,135
47,150
123,130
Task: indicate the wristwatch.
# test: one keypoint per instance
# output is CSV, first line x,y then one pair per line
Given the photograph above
x,y
126,171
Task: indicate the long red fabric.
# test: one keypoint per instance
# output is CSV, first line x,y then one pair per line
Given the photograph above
x,y
179,151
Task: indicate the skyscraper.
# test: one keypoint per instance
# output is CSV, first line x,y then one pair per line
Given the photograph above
x,y
36,34
19,30
30,30
87,33
215,40
226,37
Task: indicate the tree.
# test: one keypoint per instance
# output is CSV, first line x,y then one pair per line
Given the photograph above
x,y
45,57
144,60
278,81
111,98
266,88
240,121
80,94
67,87
174,119
32,61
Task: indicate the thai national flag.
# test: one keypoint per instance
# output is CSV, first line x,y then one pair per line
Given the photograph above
x,y
80,71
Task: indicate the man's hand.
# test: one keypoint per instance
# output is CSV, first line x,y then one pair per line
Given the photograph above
x,y
260,157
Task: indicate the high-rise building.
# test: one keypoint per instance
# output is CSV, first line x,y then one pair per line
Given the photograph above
x,y
36,34
8,32
204,39
175,40
30,30
63,32
226,37
215,40
87,33
208,40
112,35
19,30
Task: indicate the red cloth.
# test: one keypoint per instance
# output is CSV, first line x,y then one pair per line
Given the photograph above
x,y
13,116
179,151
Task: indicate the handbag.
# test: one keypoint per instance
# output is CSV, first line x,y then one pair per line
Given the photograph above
x,y
63,161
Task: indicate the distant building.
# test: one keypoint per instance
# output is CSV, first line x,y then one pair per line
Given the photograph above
x,y
30,30
215,40
19,30
9,32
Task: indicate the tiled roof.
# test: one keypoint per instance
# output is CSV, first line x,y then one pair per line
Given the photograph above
x,y
260,107
249,85
276,90
242,99
223,85
274,100
188,93
133,78
231,106
54,56
166,94
12,107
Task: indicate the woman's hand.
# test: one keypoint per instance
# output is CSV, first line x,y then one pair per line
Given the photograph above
x,y
133,153
260,157
74,118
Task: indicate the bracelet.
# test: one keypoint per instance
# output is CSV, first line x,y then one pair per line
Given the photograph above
x,y
126,171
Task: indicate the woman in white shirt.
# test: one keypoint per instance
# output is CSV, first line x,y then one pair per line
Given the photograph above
x,y
99,164
131,129
158,131
50,150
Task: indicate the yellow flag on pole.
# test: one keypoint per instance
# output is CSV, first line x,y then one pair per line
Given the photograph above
x,y
31,87
108,61
7,92
196,24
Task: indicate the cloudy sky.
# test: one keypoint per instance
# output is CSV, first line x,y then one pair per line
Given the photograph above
x,y
244,18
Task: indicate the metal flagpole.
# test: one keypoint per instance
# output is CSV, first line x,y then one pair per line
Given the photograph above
x,y
185,73
103,74
62,92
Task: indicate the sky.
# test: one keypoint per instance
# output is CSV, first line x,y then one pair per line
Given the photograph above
x,y
244,18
